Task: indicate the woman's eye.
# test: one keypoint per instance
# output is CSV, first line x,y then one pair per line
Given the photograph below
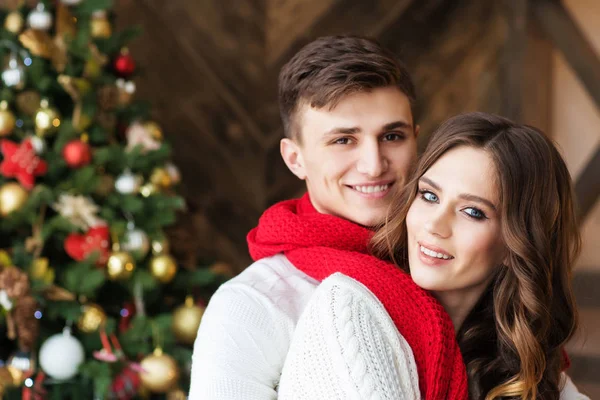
x,y
429,197
475,213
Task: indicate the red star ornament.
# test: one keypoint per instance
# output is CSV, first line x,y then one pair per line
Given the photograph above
x,y
21,162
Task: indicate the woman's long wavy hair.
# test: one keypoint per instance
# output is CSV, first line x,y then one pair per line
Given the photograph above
x,y
512,340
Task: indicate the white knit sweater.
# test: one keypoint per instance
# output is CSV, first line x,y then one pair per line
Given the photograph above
x,y
346,347
248,333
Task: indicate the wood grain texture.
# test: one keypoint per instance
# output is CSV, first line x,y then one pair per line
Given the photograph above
x,y
210,71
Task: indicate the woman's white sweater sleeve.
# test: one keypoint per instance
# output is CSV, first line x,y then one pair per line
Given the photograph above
x,y
346,347
241,346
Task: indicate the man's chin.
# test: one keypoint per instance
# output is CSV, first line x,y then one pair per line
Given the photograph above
x,y
368,221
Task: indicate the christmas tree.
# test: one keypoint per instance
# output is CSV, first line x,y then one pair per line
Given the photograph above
x,y
94,305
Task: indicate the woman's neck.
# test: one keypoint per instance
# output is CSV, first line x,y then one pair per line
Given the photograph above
x,y
459,303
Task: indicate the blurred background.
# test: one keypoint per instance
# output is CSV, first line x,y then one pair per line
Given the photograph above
x,y
210,72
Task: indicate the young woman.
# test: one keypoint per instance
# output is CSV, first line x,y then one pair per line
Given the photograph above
x,y
486,225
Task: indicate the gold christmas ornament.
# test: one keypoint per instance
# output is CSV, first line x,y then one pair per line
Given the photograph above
x,y
160,372
154,129
91,318
161,178
40,270
163,267
176,394
7,119
100,25
28,102
120,266
186,320
148,189
14,22
12,198
160,246
47,119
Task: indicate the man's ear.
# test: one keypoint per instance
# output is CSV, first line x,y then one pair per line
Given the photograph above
x,y
292,156
417,130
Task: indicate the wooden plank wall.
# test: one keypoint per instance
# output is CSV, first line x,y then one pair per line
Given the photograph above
x,y
210,71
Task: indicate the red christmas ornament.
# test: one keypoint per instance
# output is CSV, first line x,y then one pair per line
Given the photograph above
x,y
124,64
125,385
94,240
77,153
21,162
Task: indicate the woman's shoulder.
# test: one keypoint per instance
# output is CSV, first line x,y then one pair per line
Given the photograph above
x,y
569,391
346,343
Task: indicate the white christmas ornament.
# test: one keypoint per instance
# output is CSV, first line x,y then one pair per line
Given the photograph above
x,y
14,74
38,143
127,183
40,18
61,355
136,242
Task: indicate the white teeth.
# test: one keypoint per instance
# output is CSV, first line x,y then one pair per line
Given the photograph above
x,y
435,254
371,189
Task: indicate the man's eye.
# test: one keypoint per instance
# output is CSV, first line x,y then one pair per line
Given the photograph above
x,y
390,137
343,140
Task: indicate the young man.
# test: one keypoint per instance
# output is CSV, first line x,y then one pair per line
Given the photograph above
x,y
346,106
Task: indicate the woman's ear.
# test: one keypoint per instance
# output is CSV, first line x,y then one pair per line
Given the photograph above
x,y
292,156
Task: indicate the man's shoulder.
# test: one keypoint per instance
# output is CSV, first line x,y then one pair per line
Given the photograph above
x,y
273,280
270,272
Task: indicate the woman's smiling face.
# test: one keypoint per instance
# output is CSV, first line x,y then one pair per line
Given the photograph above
x,y
454,228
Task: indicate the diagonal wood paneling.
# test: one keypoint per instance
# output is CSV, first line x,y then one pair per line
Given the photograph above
x,y
287,20
564,33
210,71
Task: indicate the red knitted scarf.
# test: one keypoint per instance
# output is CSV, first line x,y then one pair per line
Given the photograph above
x,y
321,245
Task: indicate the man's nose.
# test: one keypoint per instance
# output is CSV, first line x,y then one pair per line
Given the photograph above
x,y
372,161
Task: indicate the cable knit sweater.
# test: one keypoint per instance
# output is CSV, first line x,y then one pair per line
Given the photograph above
x,y
245,337
346,347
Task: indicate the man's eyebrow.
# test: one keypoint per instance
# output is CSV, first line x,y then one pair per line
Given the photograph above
x,y
396,125
342,130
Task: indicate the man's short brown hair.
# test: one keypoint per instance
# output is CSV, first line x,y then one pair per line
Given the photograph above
x,y
331,67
